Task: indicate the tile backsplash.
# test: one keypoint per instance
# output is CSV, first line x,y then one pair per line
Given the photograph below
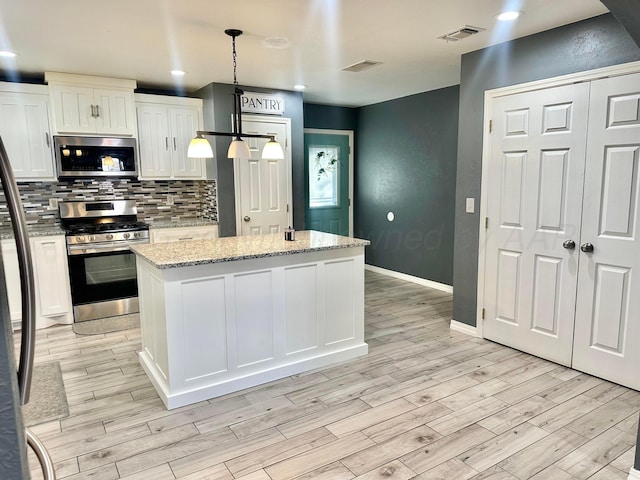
x,y
157,200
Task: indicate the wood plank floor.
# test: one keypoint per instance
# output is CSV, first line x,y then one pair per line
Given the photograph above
x,y
425,403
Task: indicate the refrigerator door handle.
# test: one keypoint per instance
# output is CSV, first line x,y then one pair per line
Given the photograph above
x,y
25,264
43,455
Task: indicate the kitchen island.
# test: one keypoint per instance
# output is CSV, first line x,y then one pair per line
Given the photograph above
x,y
220,315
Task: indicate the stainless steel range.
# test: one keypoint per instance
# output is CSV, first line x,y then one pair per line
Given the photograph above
x,y
102,269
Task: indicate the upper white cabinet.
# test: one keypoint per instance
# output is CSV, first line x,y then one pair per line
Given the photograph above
x,y
88,105
24,128
166,125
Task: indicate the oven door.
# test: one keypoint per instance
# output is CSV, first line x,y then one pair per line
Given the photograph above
x,y
103,282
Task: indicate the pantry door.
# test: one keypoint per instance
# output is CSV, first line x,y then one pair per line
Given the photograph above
x,y
534,197
608,300
263,187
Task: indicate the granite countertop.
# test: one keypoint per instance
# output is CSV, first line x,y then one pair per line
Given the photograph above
x,y
229,249
6,232
187,222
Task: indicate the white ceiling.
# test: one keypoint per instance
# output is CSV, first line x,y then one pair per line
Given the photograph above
x,y
145,39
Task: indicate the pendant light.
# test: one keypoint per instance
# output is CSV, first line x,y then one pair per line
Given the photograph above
x,y
199,147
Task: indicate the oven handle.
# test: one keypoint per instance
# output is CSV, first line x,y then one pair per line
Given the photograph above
x,y
88,250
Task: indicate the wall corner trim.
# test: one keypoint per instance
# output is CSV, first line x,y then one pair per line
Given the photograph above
x,y
469,330
634,474
410,278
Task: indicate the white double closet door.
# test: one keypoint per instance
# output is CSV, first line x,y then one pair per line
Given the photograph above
x,y
562,258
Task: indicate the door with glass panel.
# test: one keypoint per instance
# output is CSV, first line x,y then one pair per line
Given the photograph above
x,y
328,174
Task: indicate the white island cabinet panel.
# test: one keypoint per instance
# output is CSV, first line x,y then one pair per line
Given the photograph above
x,y
301,314
221,315
342,295
254,318
204,319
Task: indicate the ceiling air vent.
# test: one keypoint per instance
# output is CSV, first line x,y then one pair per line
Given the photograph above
x,y
360,66
461,33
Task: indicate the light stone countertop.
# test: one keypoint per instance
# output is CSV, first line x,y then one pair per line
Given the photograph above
x,y
229,249
6,232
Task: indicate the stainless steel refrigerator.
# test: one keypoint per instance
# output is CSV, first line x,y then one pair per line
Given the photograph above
x,y
15,381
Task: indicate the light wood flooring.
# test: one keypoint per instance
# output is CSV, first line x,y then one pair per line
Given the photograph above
x,y
425,403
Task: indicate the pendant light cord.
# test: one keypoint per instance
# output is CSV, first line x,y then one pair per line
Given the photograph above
x,y
236,89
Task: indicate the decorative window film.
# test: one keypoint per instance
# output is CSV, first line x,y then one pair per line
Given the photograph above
x,y
323,176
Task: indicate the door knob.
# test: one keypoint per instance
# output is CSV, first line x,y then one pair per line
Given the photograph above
x,y
569,244
586,247
247,218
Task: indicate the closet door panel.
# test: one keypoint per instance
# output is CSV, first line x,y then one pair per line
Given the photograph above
x,y
607,328
534,204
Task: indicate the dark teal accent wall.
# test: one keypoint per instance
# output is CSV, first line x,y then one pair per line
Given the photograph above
x,y
590,44
330,117
406,164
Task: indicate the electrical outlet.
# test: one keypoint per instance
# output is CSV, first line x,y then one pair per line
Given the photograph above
x,y
53,204
169,199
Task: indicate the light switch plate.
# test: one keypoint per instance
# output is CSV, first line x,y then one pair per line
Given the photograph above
x,y
53,204
470,205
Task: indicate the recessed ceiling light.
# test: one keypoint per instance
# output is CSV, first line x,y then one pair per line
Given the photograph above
x,y
177,73
508,16
299,87
7,53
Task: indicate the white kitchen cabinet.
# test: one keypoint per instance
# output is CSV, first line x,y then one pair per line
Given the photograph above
x,y
177,234
88,105
12,279
51,277
166,125
24,128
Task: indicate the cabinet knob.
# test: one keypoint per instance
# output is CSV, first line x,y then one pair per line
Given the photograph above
x,y
247,218
569,244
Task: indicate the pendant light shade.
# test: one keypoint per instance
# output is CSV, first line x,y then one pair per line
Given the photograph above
x,y
239,149
199,147
272,151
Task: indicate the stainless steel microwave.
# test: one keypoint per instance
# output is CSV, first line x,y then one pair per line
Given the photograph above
x,y
95,157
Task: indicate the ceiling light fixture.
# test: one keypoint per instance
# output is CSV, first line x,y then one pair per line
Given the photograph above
x,y
299,87
508,16
7,53
199,147
178,73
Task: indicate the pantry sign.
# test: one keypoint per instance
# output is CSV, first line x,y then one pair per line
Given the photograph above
x,y
254,102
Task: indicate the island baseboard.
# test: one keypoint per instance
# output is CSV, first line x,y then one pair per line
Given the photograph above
x,y
180,399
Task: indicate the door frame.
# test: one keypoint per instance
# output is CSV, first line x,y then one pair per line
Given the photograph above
x,y
349,134
286,147
489,96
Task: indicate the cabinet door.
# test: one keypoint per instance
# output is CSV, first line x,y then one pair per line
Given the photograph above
x,y
154,149
208,232
24,127
115,114
52,275
72,110
12,279
184,123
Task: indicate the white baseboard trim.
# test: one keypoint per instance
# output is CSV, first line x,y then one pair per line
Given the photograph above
x,y
410,278
464,328
634,474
